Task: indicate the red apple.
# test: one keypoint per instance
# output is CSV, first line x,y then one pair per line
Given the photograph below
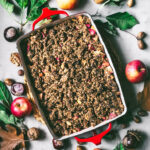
x,y
21,107
135,71
67,4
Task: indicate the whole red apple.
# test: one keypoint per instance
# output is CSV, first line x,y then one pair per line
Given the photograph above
x,y
135,71
21,107
67,4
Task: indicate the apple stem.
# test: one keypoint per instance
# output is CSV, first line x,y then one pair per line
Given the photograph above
x,y
142,69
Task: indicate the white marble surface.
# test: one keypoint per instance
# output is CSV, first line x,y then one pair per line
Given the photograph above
x,y
125,45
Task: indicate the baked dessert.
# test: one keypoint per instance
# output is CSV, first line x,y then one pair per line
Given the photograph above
x,y
72,76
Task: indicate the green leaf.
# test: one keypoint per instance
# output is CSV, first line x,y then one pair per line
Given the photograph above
x,y
35,9
119,147
109,28
113,2
123,21
8,119
7,5
2,107
5,95
22,3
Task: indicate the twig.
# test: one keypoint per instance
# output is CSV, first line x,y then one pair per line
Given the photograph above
x,y
130,34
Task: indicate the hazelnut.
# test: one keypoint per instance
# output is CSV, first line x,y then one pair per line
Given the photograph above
x,y
20,72
141,44
140,35
33,133
136,119
9,82
124,125
80,148
142,113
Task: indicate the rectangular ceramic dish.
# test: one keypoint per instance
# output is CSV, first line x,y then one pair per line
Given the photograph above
x,y
22,49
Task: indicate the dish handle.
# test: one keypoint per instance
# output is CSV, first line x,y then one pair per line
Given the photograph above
x,y
96,139
46,13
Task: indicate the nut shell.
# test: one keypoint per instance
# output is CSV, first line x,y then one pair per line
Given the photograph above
x,y
137,119
33,133
18,89
140,35
80,148
58,144
9,82
15,59
132,140
11,34
141,44
20,72
142,113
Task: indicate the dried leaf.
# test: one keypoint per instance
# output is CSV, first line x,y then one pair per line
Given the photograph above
x,y
36,112
10,139
144,96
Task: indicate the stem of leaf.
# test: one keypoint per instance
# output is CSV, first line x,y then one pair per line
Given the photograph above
x,y
14,19
21,140
130,34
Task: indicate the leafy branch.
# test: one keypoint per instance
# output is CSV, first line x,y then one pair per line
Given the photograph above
x,y
5,102
33,9
123,21
113,2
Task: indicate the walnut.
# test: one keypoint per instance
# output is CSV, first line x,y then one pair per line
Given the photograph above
x,y
33,133
15,59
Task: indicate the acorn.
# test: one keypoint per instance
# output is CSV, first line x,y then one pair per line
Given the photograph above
x,y
133,139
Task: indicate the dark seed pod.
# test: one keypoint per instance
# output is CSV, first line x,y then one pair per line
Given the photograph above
x,y
141,44
142,113
133,139
18,89
137,119
140,35
58,144
11,34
